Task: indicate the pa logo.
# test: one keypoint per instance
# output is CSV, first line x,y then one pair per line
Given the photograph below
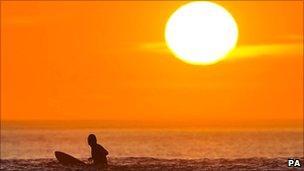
x,y
294,163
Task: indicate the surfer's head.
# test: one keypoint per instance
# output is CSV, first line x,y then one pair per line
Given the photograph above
x,y
92,139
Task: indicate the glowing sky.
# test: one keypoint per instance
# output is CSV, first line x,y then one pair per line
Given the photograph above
x,y
107,60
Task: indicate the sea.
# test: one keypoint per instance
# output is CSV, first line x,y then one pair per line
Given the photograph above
x,y
154,149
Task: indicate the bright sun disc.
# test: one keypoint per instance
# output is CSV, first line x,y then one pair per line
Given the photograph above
x,y
201,33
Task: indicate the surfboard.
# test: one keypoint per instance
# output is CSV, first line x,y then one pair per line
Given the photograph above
x,y
66,159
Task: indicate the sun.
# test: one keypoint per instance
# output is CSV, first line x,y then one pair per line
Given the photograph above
x,y
201,33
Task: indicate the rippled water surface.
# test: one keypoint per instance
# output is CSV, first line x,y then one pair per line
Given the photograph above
x,y
167,144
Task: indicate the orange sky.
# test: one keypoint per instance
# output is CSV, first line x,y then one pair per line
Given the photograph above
x,y
107,60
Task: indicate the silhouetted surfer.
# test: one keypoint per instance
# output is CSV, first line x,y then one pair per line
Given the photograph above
x,y
99,154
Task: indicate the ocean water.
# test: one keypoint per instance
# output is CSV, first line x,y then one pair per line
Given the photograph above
x,y
157,149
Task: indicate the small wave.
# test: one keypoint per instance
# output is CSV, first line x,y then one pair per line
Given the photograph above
x,y
155,164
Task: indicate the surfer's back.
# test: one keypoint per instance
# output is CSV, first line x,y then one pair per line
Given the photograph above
x,y
99,155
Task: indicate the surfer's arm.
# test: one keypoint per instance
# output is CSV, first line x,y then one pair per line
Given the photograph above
x,y
105,151
90,160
